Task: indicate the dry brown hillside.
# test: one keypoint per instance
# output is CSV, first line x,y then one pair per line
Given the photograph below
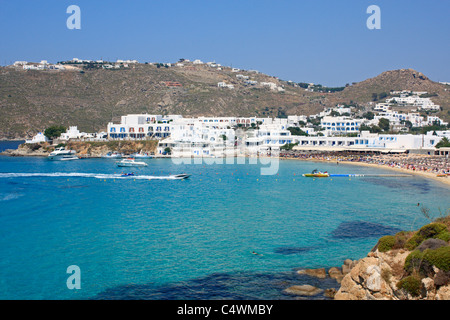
x,y
32,100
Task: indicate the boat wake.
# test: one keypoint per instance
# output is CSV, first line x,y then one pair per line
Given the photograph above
x,y
85,175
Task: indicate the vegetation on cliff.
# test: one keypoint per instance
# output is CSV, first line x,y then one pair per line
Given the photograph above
x,y
87,148
407,265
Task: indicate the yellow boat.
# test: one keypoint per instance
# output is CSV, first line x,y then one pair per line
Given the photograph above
x,y
317,174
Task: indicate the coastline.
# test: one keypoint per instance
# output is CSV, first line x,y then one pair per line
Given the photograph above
x,y
427,175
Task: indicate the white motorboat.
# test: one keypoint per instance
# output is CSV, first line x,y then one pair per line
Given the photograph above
x,y
63,154
112,155
130,162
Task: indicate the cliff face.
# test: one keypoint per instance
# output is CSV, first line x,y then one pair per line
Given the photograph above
x,y
87,149
420,271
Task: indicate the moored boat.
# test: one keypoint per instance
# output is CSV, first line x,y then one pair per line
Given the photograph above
x,y
62,154
112,155
130,162
141,154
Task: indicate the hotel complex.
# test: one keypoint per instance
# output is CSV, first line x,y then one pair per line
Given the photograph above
x,y
222,136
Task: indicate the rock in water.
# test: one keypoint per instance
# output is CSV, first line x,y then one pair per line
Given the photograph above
x,y
319,273
303,290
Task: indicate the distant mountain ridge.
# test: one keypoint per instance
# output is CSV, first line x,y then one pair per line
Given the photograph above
x,y
32,100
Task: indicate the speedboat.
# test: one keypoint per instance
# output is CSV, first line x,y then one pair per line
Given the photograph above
x,y
181,176
62,154
317,174
130,162
127,174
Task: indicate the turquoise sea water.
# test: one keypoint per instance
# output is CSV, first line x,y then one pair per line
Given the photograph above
x,y
193,239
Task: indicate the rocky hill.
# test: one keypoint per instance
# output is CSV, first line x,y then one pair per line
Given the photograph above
x,y
407,266
31,100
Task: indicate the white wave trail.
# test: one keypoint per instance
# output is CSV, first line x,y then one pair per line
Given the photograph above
x,y
83,175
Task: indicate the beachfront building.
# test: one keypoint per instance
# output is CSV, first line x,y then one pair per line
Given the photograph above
x,y
139,127
340,125
368,142
71,133
38,138
268,138
191,138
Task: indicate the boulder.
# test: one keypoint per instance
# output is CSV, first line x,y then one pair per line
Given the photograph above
x,y
442,278
319,273
330,293
365,281
348,265
303,290
432,244
335,273
443,293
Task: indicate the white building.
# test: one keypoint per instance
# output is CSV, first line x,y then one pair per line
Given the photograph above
x,y
223,84
431,120
71,133
366,141
38,138
340,125
139,126
414,100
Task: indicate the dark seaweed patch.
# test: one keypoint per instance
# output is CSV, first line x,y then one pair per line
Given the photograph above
x,y
221,286
293,250
362,229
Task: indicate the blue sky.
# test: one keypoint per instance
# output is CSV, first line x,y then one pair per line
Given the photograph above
x,y
323,42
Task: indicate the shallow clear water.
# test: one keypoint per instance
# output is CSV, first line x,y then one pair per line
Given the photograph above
x,y
191,239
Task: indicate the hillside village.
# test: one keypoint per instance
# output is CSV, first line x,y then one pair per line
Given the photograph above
x,y
402,119
335,129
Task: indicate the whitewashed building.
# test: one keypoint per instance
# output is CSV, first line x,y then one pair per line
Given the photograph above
x,y
340,125
38,138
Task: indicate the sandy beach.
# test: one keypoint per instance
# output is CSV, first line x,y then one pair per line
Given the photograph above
x,y
415,165
428,175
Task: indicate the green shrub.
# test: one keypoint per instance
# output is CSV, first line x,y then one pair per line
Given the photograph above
x,y
400,239
439,257
423,262
413,260
410,284
432,230
444,236
386,243
413,242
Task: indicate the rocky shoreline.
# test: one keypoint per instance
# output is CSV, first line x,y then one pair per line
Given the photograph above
x,y
84,149
406,266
